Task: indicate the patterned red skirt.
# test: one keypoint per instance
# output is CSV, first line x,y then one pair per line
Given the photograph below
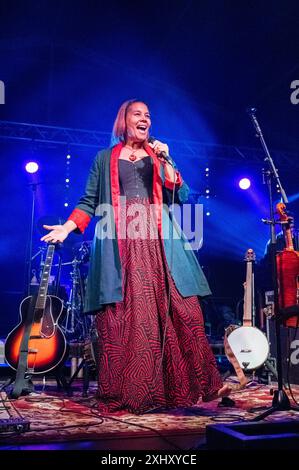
x,y
153,351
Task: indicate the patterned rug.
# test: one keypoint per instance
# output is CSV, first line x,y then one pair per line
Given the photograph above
x,y
54,417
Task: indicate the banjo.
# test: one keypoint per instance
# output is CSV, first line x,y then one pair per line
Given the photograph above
x,y
248,344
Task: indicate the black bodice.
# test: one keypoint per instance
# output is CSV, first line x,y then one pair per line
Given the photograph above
x,y
136,178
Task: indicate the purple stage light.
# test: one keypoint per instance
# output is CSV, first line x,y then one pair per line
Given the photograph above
x,y
31,167
244,183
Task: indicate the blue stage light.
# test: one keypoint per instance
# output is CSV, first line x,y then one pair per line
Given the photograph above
x,y
31,167
244,183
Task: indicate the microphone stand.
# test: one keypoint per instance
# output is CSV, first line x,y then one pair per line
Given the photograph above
x,y
30,259
280,400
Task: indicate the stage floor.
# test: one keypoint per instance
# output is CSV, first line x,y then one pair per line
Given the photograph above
x,y
57,421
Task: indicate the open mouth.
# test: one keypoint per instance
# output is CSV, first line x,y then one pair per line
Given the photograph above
x,y
142,128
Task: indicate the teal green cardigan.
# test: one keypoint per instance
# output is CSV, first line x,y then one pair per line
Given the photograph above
x,y
104,281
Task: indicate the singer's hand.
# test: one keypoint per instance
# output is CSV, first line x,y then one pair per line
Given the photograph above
x,y
158,147
58,234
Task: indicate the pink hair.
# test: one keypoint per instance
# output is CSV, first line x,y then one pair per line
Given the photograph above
x,y
119,126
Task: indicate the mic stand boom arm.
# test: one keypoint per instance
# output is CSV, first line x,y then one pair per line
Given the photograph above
x,y
268,157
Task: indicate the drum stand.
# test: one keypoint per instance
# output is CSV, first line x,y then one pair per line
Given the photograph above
x,y
76,328
75,325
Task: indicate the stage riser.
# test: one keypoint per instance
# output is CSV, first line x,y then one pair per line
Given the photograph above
x,y
253,436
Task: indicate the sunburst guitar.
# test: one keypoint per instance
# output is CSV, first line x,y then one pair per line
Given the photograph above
x,y
46,343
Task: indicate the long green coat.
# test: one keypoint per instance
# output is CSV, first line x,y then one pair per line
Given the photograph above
x,y
104,282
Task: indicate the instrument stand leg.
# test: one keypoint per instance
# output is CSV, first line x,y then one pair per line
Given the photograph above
x,y
83,364
62,383
280,402
271,371
28,385
85,380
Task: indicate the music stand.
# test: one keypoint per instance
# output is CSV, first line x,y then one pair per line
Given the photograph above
x,y
280,400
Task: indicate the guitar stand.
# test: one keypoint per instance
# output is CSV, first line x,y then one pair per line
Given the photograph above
x,y
66,384
62,383
27,388
83,365
280,402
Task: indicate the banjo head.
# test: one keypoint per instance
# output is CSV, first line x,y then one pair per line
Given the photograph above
x,y
250,346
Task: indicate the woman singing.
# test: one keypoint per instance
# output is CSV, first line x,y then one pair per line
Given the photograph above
x,y
142,285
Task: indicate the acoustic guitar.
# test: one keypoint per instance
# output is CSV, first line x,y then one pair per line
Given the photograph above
x,y
248,344
44,342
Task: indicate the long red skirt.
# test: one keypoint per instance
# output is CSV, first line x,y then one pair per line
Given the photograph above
x,y
148,358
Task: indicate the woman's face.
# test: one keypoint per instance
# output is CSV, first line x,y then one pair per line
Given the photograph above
x,y
138,122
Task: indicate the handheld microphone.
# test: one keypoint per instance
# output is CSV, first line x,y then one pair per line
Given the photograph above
x,y
162,154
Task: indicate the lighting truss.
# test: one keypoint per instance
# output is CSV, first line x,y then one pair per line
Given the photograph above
x,y
185,149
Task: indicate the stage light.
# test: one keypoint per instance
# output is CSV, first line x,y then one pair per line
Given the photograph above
x,y
67,178
208,213
31,167
244,183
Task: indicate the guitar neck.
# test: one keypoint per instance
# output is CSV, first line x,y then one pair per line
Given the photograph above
x,y
289,239
43,288
286,221
249,295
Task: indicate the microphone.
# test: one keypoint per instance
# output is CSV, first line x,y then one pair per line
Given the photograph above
x,y
162,154
251,110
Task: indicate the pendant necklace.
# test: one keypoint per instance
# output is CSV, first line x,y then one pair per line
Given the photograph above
x,y
133,157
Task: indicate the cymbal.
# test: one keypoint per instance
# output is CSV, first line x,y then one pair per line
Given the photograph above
x,y
82,250
68,263
78,245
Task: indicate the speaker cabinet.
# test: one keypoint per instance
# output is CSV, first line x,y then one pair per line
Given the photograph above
x,y
289,350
